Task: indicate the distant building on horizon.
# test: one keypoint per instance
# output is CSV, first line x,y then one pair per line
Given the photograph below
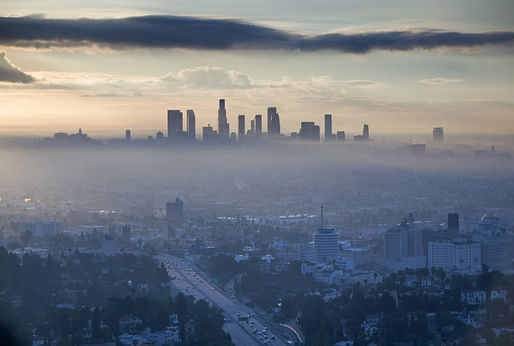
x,y
328,128
365,134
191,124
240,126
309,131
273,122
175,211
258,124
341,136
252,126
223,126
175,124
208,134
438,134
78,139
127,136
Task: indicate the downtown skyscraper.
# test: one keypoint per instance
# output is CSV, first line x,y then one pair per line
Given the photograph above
x,y
223,127
273,122
328,127
175,126
240,126
191,124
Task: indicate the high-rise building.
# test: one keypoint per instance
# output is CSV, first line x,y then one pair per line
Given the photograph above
x,y
309,131
258,124
341,136
328,127
438,134
223,127
326,243
208,134
240,126
175,211
191,124
273,122
403,241
395,244
453,222
175,126
271,110
403,246
365,132
127,136
252,126
459,256
497,252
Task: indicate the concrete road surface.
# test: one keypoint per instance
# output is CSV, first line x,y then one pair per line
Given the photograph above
x,y
241,322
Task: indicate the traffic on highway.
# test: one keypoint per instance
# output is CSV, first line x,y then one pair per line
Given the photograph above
x,y
241,322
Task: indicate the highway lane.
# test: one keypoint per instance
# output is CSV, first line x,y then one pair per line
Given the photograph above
x,y
254,331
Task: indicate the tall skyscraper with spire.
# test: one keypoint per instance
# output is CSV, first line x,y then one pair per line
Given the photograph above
x,y
326,242
223,127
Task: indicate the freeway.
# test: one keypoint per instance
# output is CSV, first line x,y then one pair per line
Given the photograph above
x,y
241,322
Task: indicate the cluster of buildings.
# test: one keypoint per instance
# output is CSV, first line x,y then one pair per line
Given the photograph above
x,y
412,245
130,324
177,132
409,245
309,131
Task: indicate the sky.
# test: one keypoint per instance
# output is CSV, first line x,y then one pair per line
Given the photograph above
x,y
399,66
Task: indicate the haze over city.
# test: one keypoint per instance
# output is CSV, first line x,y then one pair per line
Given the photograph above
x,y
333,172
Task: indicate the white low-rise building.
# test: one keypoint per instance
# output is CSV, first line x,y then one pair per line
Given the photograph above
x,y
463,257
473,297
501,294
40,229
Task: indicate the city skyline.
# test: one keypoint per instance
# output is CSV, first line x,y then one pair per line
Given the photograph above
x,y
256,173
178,132
423,69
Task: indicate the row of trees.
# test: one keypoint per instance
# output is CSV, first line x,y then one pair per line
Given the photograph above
x,y
36,284
403,314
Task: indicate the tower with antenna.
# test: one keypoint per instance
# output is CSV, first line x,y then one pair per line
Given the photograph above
x,y
326,242
322,218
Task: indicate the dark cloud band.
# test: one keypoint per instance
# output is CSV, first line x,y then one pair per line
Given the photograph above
x,y
220,34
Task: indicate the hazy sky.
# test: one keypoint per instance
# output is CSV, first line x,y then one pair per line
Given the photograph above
x,y
400,66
